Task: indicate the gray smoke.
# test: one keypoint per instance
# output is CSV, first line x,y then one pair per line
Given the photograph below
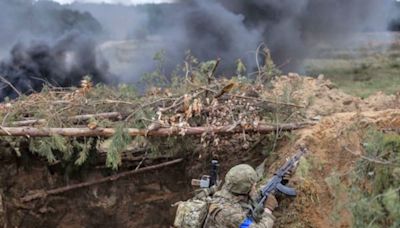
x,y
206,28
294,30
232,29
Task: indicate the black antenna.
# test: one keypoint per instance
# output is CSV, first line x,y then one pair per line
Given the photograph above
x,y
214,172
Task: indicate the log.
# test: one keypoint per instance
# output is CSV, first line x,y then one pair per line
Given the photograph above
x,y
78,118
108,132
44,193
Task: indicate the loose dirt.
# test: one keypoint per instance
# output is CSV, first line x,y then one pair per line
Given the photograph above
x,y
334,145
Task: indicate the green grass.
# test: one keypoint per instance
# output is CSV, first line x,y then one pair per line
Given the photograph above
x,y
360,76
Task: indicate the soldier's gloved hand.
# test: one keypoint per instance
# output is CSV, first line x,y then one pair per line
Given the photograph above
x,y
271,203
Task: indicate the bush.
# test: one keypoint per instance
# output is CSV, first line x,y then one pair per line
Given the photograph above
x,y
374,196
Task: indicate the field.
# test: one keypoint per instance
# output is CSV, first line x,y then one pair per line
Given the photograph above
x,y
361,71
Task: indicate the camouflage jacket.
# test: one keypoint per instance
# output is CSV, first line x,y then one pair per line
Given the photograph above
x,y
230,211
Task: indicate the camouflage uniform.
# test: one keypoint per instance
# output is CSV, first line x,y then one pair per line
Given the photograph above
x,y
229,206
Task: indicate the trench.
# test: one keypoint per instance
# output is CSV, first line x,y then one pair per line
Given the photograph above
x,y
140,200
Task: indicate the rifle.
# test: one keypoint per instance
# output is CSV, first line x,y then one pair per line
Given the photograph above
x,y
276,184
207,181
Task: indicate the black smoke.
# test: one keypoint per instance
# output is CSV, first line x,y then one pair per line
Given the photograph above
x,y
62,64
46,44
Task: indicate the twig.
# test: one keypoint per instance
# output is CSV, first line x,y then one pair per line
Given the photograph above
x,y
202,87
5,130
11,85
4,119
44,193
42,80
390,130
383,194
267,101
287,61
176,103
117,102
162,132
181,100
276,132
140,163
141,107
258,62
212,72
255,145
187,70
58,102
367,158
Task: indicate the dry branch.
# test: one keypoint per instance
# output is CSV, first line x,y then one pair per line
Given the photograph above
x,y
374,160
44,193
11,85
108,132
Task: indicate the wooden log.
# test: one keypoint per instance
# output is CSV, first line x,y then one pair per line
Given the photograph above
x,y
108,132
105,115
44,193
23,123
78,118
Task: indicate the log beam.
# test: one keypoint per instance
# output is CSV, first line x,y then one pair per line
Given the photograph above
x,y
75,119
108,132
38,194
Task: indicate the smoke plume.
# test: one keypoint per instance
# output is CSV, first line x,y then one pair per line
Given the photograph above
x,y
47,44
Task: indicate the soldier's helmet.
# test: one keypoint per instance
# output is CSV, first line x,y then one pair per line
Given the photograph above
x,y
240,179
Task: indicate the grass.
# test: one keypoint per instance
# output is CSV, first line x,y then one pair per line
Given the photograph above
x,y
360,75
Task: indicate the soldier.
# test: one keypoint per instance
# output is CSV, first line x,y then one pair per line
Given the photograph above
x,y
230,206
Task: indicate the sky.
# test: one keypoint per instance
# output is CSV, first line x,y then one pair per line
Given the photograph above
x,y
125,2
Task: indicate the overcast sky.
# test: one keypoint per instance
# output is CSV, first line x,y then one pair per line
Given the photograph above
x,y
127,2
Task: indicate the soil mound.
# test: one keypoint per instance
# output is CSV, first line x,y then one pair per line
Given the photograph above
x,y
335,145
322,98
